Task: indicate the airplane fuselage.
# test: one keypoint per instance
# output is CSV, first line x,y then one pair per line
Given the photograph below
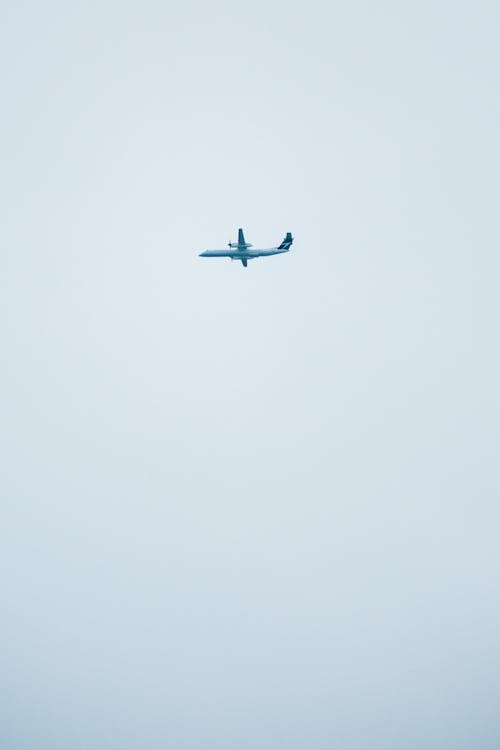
x,y
243,253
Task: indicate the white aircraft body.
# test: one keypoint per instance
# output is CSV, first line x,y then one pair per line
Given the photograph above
x,y
241,250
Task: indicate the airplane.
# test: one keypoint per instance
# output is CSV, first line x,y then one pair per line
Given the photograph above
x,y
241,250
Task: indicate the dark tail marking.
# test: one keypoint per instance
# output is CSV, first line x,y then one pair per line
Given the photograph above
x,y
286,242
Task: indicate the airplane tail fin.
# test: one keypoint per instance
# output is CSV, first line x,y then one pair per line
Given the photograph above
x,y
287,242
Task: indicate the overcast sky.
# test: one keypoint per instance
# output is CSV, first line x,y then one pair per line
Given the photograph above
x,y
250,508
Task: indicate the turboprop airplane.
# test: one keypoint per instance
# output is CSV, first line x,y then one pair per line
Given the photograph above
x,y
241,250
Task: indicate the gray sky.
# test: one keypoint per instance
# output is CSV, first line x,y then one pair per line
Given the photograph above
x,y
250,508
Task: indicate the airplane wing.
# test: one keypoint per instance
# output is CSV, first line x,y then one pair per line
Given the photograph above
x,y
241,237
